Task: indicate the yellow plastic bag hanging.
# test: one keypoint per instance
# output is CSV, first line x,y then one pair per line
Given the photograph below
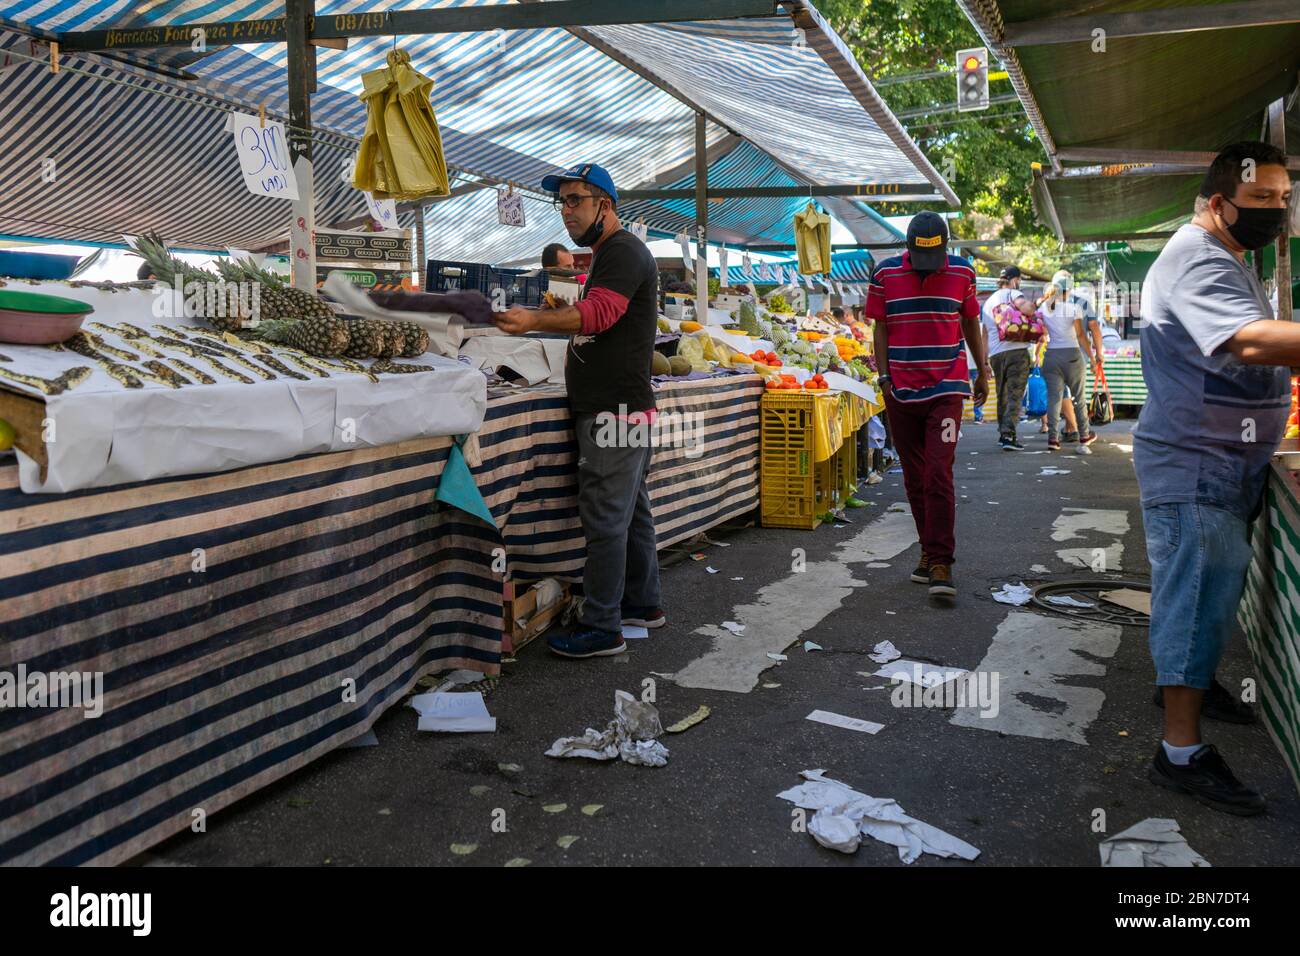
x,y
401,150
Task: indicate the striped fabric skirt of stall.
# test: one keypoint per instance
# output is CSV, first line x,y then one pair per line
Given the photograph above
x,y
243,624
1270,615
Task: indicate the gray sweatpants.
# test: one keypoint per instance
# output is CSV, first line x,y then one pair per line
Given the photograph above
x,y
614,507
1063,368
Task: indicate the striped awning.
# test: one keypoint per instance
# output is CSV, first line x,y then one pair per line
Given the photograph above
x,y
512,107
852,267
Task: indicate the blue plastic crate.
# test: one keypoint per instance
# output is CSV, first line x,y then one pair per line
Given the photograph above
x,y
35,265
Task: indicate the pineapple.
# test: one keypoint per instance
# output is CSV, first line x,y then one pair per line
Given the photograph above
x,y
167,269
279,300
417,340
369,339
315,336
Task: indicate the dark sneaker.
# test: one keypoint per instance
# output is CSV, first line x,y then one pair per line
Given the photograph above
x,y
941,581
1218,704
922,573
649,617
1008,444
1070,438
587,642
1207,778
1053,444
1017,445
1088,439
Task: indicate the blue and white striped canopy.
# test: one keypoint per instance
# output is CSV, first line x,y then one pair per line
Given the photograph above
x,y
139,141
853,266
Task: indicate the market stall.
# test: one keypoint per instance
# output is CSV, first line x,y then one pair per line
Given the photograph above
x,y
1270,611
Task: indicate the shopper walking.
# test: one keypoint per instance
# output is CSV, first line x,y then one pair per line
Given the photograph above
x,y
924,305
1063,363
1009,361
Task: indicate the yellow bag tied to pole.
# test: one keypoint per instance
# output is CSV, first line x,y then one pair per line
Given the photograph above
x,y
401,150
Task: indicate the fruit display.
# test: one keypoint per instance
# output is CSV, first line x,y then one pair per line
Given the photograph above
x,y
777,303
816,383
659,364
287,315
679,365
770,359
747,318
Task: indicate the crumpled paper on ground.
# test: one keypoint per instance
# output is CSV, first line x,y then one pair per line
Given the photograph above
x,y
844,815
1016,594
631,736
884,652
1155,841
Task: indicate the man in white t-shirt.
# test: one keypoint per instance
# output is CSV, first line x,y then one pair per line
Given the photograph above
x,y
1009,361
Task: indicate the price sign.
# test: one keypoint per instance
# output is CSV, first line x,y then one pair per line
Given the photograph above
x,y
725,276
640,230
384,211
263,156
510,208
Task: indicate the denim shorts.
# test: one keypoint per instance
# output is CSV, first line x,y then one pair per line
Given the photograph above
x,y
1199,556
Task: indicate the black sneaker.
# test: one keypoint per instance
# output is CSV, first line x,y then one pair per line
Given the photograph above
x,y
1006,444
1017,444
1207,778
922,573
1218,704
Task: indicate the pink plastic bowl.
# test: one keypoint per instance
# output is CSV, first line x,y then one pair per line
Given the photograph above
x,y
39,328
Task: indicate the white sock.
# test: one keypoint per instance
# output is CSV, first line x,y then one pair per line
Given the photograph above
x,y
1180,756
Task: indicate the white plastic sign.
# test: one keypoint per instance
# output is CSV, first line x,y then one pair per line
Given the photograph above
x,y
263,156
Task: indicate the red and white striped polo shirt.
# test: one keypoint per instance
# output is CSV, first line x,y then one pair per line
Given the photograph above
x,y
927,353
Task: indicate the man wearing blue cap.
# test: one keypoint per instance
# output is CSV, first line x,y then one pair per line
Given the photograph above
x,y
607,375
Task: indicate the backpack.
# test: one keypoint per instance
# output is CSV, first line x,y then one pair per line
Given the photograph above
x,y
1100,409
1036,394
1015,326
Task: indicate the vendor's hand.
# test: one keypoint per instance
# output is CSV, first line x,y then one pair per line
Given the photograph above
x,y
981,389
516,320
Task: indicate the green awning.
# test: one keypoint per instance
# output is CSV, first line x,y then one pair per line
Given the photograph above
x,y
1184,92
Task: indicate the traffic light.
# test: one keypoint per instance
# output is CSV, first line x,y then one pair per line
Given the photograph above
x,y
972,79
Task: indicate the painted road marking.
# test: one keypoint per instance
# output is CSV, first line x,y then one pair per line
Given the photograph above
x,y
784,610
1034,656
1072,524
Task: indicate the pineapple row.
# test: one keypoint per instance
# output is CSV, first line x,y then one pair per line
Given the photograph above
x,y
294,317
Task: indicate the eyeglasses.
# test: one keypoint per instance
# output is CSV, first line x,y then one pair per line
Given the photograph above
x,y
570,202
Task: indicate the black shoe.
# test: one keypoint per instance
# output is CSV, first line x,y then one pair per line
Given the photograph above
x,y
922,573
1007,444
1218,704
1207,778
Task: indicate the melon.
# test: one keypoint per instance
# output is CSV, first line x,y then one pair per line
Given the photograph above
x,y
679,365
659,364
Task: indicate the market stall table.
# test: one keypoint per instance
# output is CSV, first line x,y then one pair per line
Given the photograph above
x,y
1270,611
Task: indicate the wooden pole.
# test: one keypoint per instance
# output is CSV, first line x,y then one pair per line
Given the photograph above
x,y
302,79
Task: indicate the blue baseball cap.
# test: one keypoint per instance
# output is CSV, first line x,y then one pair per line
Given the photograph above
x,y
588,173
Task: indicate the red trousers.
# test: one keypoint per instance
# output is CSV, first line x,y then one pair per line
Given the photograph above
x,y
925,436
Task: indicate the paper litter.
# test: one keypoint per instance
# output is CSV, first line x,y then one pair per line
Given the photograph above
x,y
733,627
884,652
1064,600
810,646
848,723
1049,470
1153,842
778,657
710,570
926,675
629,736
844,815
1017,594
463,713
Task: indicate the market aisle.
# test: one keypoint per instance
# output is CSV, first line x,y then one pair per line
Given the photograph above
x,y
1072,736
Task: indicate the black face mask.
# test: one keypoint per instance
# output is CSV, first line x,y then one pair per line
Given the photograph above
x,y
594,231
1256,227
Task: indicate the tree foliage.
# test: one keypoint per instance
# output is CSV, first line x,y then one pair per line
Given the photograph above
x,y
988,152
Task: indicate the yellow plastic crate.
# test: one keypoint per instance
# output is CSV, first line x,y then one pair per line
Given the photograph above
x,y
794,488
787,480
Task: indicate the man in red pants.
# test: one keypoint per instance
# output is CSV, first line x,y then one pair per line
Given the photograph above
x,y
924,304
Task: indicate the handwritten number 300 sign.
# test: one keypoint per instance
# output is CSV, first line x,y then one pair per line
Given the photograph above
x,y
267,143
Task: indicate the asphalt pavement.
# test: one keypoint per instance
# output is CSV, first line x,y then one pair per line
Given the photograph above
x,y
1066,753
